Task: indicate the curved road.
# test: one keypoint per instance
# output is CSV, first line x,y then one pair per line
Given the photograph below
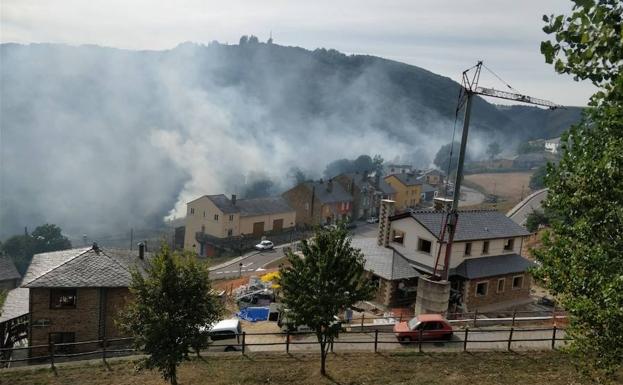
x,y
532,202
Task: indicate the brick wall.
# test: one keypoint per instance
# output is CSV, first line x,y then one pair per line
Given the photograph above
x,y
83,320
508,295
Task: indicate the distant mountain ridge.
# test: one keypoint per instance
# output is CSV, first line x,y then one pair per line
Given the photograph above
x,y
125,136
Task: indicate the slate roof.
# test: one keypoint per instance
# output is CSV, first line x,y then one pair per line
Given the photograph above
x,y
472,224
337,193
428,188
261,206
7,269
383,261
386,188
408,179
473,268
15,304
223,203
86,267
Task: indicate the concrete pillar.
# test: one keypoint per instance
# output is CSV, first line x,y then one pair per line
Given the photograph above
x,y
432,296
387,210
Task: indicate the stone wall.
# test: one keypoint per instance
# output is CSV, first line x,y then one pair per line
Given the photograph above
x,y
472,301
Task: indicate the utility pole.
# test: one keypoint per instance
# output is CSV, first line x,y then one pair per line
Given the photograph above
x,y
131,238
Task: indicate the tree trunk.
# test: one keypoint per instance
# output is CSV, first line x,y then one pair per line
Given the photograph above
x,y
323,355
173,376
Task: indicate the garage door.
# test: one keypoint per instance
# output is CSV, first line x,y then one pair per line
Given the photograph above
x,y
278,225
258,228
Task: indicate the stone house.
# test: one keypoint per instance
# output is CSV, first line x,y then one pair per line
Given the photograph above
x,y
211,218
367,192
320,202
486,269
76,294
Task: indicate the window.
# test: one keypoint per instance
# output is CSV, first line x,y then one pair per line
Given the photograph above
x,y
231,217
481,289
508,246
203,229
62,338
424,246
216,217
398,236
501,283
62,298
230,232
468,248
204,213
517,282
192,211
485,247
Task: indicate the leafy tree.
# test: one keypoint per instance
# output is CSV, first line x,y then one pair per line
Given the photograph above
x,y
171,308
328,279
537,180
363,163
493,149
45,238
581,254
244,39
535,219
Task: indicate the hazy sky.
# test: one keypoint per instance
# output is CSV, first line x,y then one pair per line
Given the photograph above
x,y
444,36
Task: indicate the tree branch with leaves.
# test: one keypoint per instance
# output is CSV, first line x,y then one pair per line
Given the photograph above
x,y
327,279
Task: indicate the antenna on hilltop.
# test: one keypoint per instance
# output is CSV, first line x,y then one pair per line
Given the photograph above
x,y
270,39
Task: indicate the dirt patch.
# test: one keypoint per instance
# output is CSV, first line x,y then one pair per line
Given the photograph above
x,y
510,186
356,369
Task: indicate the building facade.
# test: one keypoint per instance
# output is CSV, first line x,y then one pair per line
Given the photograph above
x,y
219,217
408,189
76,295
320,203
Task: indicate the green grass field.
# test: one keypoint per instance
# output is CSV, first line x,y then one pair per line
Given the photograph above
x,y
362,368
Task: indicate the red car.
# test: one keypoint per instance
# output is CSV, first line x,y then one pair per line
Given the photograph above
x,y
433,326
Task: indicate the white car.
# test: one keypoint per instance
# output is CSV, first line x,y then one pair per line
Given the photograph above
x,y
372,220
224,335
264,245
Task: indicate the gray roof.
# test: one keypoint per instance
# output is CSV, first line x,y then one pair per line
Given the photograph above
x,y
472,224
250,207
473,268
15,304
385,187
428,188
408,179
86,267
322,193
7,269
383,261
260,206
223,203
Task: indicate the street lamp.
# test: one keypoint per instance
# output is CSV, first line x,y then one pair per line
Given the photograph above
x,y
240,270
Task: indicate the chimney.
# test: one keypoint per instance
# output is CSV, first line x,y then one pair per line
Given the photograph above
x,y
96,248
141,250
233,199
330,185
387,210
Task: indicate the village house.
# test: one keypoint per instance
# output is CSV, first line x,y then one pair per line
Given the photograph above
x,y
408,188
391,169
432,177
76,294
552,145
320,202
212,218
486,271
367,192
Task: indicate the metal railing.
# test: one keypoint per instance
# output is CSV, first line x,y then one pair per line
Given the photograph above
x,y
376,339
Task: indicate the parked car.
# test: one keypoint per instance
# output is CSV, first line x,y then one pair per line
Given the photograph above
x,y
265,245
225,335
329,227
433,328
372,220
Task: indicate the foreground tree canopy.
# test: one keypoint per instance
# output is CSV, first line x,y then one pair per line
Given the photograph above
x,y
328,279
172,308
581,257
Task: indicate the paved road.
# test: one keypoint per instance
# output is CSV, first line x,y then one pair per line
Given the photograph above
x,y
252,264
478,339
520,212
254,261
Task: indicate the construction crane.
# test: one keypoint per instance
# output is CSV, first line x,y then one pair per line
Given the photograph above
x,y
469,88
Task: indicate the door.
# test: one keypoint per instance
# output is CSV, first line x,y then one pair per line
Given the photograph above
x,y
278,225
258,229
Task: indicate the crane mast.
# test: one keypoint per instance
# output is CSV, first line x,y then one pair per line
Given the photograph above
x,y
469,88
